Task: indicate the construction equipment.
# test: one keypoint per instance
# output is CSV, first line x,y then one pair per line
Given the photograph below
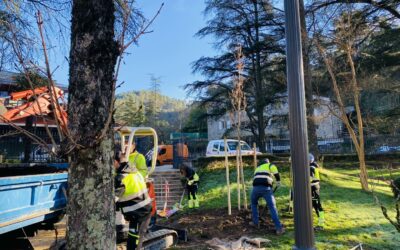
x,y
158,237
43,101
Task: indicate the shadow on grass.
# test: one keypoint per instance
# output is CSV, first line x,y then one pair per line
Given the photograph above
x,y
337,188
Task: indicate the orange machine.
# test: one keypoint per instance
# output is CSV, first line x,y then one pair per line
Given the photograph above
x,y
166,153
38,102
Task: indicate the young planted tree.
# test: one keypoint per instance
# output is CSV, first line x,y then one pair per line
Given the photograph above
x,y
238,100
228,183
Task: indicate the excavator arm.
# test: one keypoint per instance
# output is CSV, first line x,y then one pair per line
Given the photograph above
x,y
38,102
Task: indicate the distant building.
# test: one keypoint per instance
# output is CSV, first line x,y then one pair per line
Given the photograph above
x,y
328,125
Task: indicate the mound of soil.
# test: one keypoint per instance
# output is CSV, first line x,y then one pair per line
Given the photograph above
x,y
203,225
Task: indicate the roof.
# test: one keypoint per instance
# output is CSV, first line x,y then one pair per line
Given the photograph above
x,y
9,78
228,140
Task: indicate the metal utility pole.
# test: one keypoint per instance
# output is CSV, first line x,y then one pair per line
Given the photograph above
x,y
303,224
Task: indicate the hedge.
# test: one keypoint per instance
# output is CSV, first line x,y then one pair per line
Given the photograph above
x,y
218,161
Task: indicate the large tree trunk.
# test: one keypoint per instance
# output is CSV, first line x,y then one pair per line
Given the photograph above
x,y
260,102
91,212
311,128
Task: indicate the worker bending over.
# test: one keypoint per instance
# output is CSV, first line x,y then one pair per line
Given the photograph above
x,y
315,187
192,180
262,187
133,200
138,160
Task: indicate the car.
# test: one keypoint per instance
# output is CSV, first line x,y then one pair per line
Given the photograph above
x,y
216,148
386,149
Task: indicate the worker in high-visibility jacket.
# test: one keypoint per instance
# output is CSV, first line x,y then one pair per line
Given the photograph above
x,y
133,201
262,187
138,160
192,180
315,188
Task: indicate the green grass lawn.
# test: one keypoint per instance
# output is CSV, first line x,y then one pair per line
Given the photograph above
x,y
352,216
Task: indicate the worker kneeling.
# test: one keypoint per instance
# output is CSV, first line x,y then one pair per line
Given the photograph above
x,y
262,187
192,180
133,200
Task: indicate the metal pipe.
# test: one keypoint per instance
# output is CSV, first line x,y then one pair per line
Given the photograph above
x,y
304,233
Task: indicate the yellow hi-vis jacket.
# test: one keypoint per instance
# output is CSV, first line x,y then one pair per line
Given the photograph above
x,y
314,174
138,161
134,198
263,175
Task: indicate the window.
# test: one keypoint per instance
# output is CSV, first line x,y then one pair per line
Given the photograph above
x,y
221,147
215,147
233,144
222,125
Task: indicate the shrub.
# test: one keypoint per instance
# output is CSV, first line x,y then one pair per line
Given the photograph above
x,y
396,187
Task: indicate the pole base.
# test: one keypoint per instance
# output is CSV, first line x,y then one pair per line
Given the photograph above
x,y
303,248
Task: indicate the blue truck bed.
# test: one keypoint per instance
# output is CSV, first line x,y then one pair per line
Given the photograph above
x,y
30,199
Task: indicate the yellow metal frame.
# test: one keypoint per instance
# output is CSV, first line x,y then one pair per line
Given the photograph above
x,y
138,131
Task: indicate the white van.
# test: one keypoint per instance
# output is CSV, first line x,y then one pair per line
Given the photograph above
x,y
216,148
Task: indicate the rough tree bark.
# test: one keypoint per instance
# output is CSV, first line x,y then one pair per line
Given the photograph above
x,y
260,102
91,221
311,128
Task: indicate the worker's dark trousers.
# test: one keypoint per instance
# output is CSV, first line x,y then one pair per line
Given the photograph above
x,y
133,235
192,191
316,202
137,229
268,195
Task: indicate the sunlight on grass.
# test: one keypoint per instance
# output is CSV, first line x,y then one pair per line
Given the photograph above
x,y
352,216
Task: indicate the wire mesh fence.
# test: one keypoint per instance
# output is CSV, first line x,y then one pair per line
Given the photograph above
x,y
14,145
378,144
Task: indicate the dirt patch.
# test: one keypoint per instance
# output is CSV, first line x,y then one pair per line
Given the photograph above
x,y
203,225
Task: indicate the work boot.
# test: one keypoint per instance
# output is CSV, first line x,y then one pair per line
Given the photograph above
x,y
196,203
190,203
318,228
280,231
321,219
254,225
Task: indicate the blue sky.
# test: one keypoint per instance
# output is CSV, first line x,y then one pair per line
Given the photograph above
x,y
167,52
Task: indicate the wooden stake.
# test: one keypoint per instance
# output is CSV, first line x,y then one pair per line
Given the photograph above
x,y
242,179
238,176
255,155
227,176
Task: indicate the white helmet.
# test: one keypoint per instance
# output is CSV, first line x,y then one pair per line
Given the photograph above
x,y
311,158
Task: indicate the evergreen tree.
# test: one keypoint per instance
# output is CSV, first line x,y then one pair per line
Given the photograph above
x,y
258,27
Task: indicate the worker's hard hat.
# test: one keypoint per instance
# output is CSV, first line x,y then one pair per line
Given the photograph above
x,y
311,158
